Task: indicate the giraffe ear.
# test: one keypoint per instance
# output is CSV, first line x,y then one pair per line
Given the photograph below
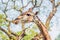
x,y
36,13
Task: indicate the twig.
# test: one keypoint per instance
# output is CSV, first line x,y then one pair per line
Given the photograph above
x,y
8,34
22,34
22,2
9,27
14,4
38,37
5,7
10,30
36,4
24,7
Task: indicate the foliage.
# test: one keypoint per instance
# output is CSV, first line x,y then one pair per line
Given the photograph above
x,y
18,33
58,38
30,33
3,20
2,16
3,36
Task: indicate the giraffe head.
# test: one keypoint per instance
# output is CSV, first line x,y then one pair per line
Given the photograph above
x,y
27,16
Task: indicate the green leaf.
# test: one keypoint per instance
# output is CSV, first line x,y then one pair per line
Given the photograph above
x,y
2,20
30,33
35,26
27,37
3,36
2,16
58,38
18,33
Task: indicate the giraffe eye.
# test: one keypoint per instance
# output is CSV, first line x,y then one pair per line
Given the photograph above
x,y
17,19
28,15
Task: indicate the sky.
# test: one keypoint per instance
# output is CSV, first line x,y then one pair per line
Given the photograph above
x,y
44,11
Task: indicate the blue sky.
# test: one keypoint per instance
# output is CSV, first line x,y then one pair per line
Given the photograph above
x,y
45,9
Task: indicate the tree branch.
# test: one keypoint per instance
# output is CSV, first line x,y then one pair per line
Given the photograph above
x,y
22,34
8,34
52,13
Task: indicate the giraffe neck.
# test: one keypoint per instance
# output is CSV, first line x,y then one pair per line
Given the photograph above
x,y
42,28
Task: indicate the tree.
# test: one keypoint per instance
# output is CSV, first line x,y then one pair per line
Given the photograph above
x,y
27,17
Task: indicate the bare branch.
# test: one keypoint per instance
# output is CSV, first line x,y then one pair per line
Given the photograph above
x,y
36,3
14,4
5,7
8,34
50,17
38,37
32,3
52,13
53,3
57,4
22,2
22,34
24,7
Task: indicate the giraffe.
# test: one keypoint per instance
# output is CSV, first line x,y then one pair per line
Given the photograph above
x,y
29,16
